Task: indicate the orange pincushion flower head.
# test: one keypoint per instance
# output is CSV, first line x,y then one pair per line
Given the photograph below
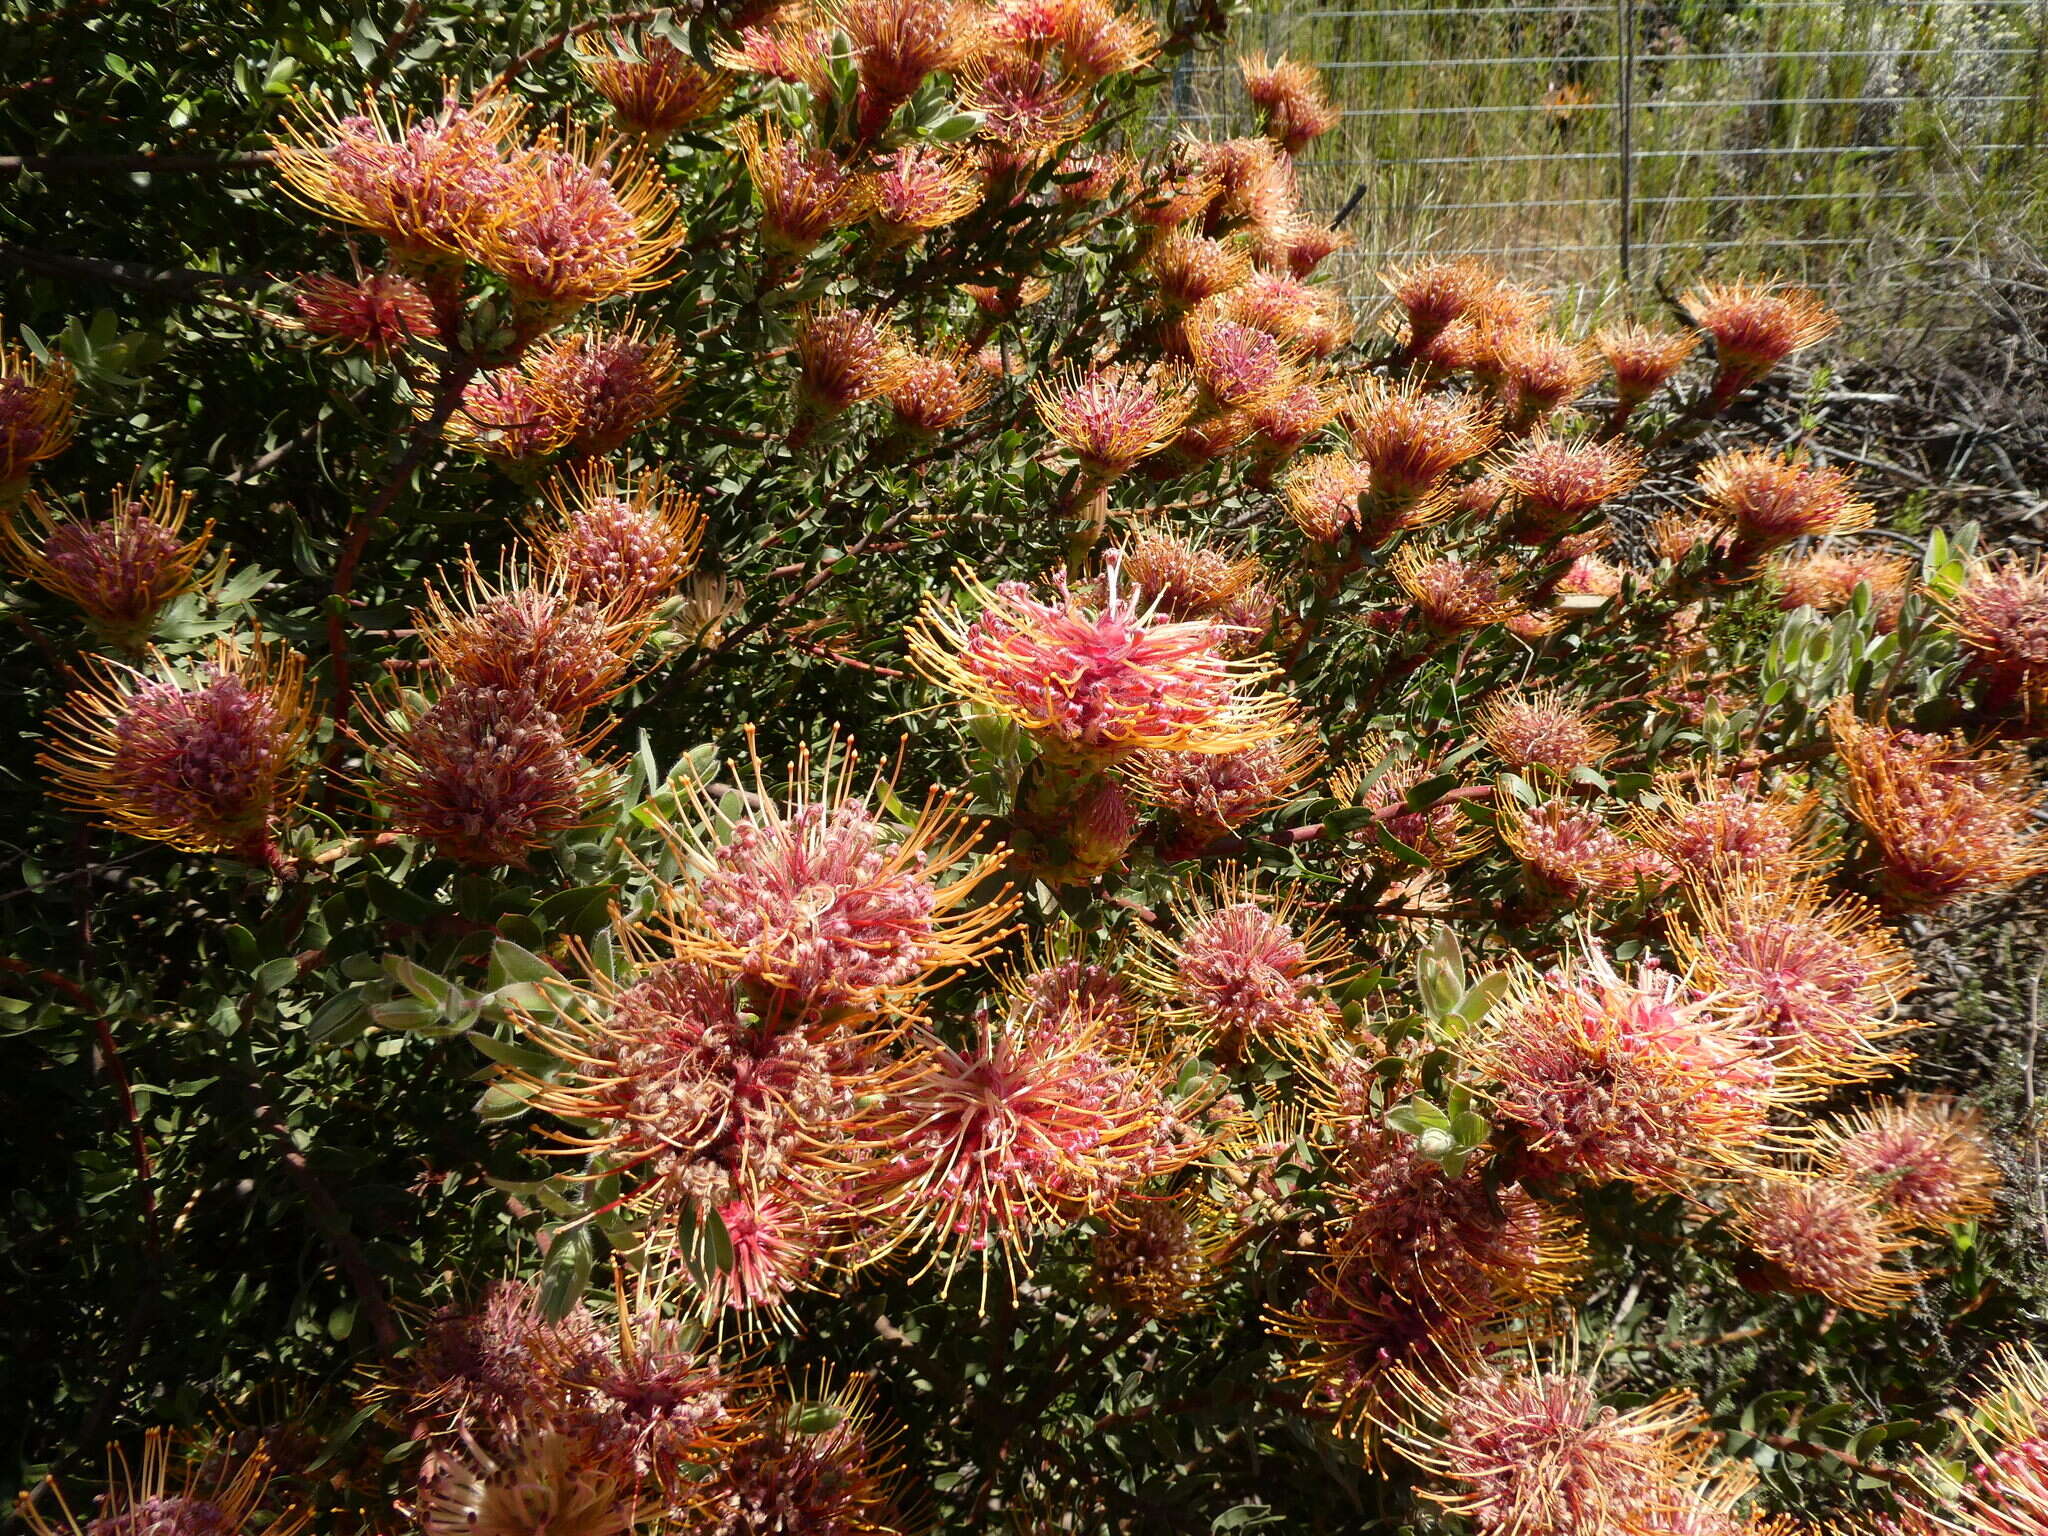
x,y
1162,1258
1642,360
1411,440
1190,268
987,1147
654,87
1176,189
205,756
1096,40
813,896
1007,300
1548,729
1357,1333
576,224
1926,1157
816,1460
485,772
1311,317
1449,1237
1210,794
1945,824
625,549
1520,1450
844,357
785,41
898,43
37,400
1256,184
1711,828
121,569
1379,780
920,188
1186,577
2000,613
1755,327
937,390
1237,366
1765,500
1290,95
1286,421
1826,580
1094,683
1568,850
1434,295
379,315
1323,492
418,184
1296,244
1110,417
1453,595
1675,536
804,193
1559,482
1540,372
1825,1236
1246,970
1630,1078
568,651
576,395
1028,107
1097,178
211,1495
1818,978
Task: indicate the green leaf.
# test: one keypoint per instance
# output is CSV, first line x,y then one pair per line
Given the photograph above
x,y
565,1276
421,982
511,963
580,912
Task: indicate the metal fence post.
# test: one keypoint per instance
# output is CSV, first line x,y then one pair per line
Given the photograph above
x,y
1625,59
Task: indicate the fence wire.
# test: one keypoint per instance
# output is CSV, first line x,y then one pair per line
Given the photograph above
x,y
1598,146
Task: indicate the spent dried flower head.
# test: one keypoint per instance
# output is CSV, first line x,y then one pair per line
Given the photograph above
x,y
1765,500
1289,94
1927,1158
654,88
1543,728
1612,1076
1818,977
380,315
205,755
625,548
1826,1236
1945,823
1096,682
38,399
119,570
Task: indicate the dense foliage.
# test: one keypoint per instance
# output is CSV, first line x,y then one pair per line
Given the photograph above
x,y
764,782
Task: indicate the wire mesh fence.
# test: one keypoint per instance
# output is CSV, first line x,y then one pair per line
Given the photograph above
x,y
1598,145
